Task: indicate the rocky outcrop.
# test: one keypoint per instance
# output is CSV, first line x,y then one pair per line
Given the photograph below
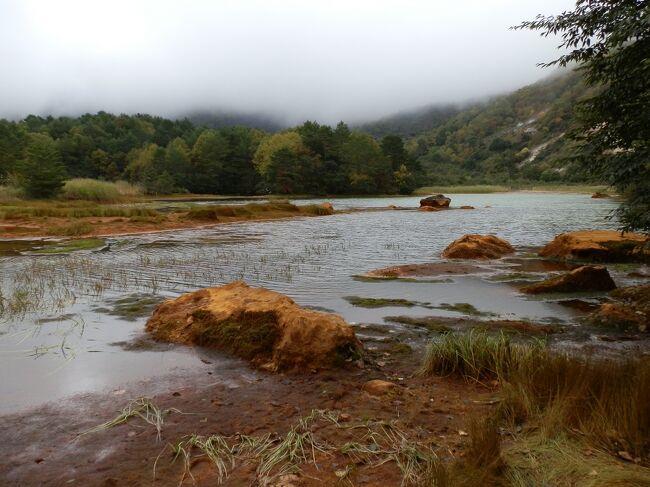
x,y
478,247
629,310
428,208
598,246
585,278
259,325
436,201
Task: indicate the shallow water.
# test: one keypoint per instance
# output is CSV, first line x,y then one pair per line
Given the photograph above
x,y
310,259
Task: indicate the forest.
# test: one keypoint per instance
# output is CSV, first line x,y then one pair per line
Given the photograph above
x,y
163,156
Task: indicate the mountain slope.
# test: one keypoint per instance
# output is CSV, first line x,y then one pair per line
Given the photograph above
x,y
520,136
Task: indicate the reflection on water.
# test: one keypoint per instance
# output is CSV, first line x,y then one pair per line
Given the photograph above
x,y
58,339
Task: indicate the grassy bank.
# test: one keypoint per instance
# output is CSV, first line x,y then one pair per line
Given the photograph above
x,y
26,218
488,188
570,415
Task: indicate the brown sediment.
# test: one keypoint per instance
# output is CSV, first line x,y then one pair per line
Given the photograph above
x,y
42,447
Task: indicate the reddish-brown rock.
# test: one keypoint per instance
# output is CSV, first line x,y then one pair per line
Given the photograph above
x,y
598,245
436,201
263,326
328,206
629,310
428,208
378,388
585,278
478,247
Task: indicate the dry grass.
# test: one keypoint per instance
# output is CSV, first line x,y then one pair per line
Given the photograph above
x,y
602,403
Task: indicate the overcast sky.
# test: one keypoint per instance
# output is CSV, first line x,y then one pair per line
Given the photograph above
x,y
296,59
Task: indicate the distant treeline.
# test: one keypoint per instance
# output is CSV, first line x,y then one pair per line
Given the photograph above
x,y
166,156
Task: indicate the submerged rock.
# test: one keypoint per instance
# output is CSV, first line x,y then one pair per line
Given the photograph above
x,y
428,208
378,387
329,207
259,325
585,278
598,246
436,201
629,310
478,247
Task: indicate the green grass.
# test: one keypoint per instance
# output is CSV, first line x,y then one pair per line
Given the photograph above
x,y
477,355
90,190
604,402
72,209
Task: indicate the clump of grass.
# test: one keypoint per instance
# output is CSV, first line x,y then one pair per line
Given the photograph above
x,y
10,193
606,401
142,408
90,190
380,302
71,230
476,355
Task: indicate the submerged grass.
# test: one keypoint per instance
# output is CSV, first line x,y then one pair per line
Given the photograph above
x,y
380,302
71,246
464,308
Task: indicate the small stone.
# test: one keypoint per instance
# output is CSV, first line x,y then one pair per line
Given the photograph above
x,y
625,456
463,433
344,417
380,387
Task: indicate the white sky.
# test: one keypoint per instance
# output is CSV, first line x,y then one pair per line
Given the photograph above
x,y
294,59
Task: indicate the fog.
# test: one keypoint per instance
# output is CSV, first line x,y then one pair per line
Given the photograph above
x,y
328,60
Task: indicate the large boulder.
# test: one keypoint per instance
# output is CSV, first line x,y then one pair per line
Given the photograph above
x,y
585,278
436,201
259,325
474,246
598,246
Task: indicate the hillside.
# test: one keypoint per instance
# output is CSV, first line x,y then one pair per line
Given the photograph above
x,y
516,137
411,123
